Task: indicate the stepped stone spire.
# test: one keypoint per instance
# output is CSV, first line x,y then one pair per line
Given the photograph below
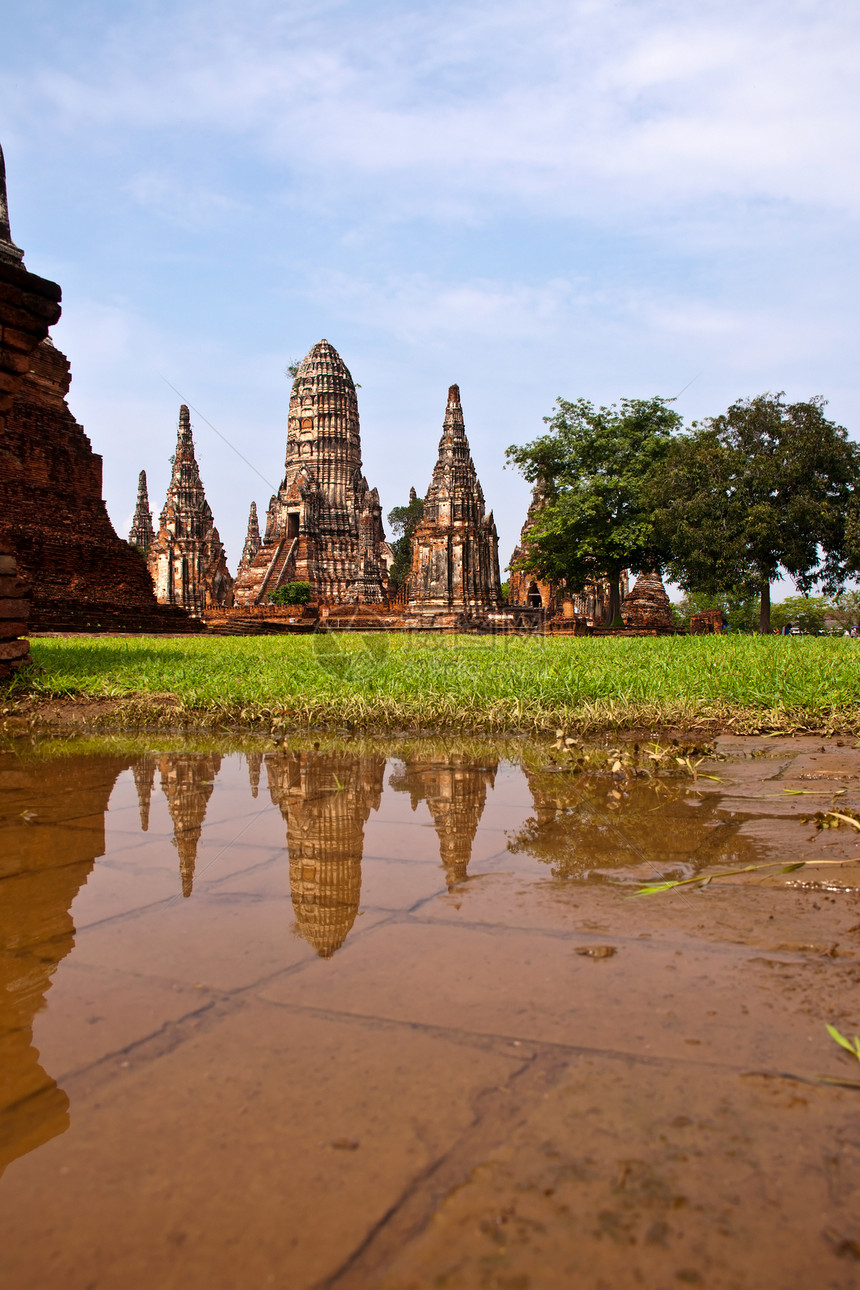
x,y
142,534
455,548
9,252
324,525
186,559
252,539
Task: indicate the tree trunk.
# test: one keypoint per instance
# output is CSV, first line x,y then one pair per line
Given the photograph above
x,y
764,612
614,607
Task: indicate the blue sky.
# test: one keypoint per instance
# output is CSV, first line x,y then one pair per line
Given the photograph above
x,y
589,198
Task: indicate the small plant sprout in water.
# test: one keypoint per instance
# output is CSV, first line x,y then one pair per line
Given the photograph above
x,y
852,1048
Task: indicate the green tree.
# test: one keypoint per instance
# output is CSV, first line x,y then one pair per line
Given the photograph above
x,y
845,608
402,521
808,612
765,487
740,612
592,468
291,593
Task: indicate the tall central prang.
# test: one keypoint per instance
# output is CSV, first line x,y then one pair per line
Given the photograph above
x,y
324,525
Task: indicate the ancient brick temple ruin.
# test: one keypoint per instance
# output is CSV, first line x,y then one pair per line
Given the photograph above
x,y
647,606
455,547
29,305
186,558
324,525
52,516
529,590
142,534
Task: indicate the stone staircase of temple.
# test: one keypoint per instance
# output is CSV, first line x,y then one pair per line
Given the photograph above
x,y
274,575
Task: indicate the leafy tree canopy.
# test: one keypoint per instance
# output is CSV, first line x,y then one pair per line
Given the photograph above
x,y
591,468
402,521
768,486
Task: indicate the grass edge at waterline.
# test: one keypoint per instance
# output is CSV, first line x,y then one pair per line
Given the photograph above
x,y
430,682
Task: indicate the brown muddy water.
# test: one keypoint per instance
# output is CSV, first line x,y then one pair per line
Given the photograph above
x,y
384,1015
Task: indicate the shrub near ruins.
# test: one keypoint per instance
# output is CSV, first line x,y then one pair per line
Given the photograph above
x,y
291,593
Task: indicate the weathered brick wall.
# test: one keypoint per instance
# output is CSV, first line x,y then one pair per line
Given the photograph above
x,y
51,511
14,614
29,305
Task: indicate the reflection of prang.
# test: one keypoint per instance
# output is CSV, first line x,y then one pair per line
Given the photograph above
x,y
456,793
143,771
187,781
255,761
325,799
44,862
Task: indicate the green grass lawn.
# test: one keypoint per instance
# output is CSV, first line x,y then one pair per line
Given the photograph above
x,y
473,683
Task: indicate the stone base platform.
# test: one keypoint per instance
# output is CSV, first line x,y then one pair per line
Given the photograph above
x,y
93,617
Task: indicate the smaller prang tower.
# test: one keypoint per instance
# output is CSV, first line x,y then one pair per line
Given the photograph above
x,y
252,540
142,534
186,559
455,548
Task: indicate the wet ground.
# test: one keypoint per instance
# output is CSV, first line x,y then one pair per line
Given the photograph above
x,y
384,1015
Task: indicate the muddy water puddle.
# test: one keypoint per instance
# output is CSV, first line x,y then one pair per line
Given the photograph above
x,y
383,1014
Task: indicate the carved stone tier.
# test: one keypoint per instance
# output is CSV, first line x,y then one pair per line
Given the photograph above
x,y
324,525
455,547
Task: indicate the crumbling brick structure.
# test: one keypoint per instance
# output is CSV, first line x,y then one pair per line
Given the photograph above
x,y
529,590
51,509
29,305
455,547
706,622
186,558
84,577
14,614
324,525
647,605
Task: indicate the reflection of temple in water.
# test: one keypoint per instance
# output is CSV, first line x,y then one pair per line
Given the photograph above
x,y
255,762
187,781
585,826
325,799
143,771
455,791
44,861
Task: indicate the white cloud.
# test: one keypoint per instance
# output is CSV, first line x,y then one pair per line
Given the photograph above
x,y
599,108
